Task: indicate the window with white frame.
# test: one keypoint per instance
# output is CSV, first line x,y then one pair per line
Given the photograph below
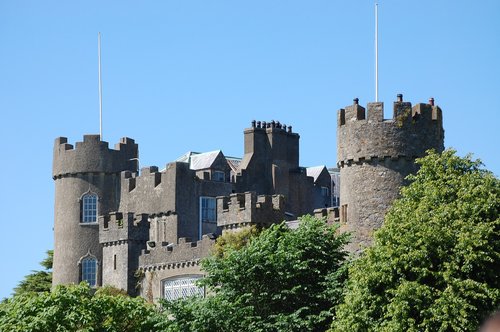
x,y
208,209
89,208
182,287
219,176
89,270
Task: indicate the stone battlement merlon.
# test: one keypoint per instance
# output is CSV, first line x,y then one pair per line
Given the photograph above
x,y
93,156
118,226
181,252
242,209
368,137
403,113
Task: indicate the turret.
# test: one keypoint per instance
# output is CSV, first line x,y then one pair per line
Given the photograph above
x,y
87,184
375,155
123,237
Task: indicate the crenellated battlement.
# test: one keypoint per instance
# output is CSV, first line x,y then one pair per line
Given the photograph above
x,y
117,227
331,214
244,209
170,255
365,136
93,156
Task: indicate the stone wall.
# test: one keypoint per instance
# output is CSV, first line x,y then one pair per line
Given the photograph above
x,y
123,237
89,168
375,155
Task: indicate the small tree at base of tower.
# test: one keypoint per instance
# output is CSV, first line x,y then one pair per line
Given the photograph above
x,y
435,262
37,281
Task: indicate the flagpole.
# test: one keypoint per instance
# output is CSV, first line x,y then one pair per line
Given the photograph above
x,y
376,52
100,84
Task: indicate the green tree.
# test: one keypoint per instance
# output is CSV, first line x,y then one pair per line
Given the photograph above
x,y
38,281
434,264
77,308
281,280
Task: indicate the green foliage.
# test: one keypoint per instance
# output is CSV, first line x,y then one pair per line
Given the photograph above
x,y
77,308
435,262
281,280
37,281
233,240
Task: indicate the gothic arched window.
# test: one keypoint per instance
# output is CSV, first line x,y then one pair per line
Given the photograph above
x,y
89,208
89,270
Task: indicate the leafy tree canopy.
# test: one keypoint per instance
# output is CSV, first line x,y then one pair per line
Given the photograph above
x,y
281,280
77,308
435,262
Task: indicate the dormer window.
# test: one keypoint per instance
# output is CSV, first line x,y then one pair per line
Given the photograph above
x,y
219,176
89,208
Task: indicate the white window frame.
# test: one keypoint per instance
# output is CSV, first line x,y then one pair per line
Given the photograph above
x,y
89,218
181,287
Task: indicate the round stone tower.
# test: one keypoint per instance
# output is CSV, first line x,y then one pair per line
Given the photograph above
x,y
375,155
87,184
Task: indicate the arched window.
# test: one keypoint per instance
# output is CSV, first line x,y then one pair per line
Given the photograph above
x,y
89,208
181,287
89,270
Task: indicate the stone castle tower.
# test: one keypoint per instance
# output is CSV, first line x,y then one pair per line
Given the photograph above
x,y
375,155
89,174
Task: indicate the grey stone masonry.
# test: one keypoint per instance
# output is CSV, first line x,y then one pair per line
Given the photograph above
x,y
245,209
122,236
90,167
176,255
375,155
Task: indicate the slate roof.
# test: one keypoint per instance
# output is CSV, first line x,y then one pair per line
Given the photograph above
x,y
203,160
234,163
314,171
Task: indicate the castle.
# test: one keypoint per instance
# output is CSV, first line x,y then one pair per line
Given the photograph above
x,y
146,231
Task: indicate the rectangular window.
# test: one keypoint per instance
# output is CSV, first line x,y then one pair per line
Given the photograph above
x,y
177,288
219,176
208,209
89,208
325,192
114,262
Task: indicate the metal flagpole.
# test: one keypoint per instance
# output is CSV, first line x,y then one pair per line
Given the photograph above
x,y
100,84
376,52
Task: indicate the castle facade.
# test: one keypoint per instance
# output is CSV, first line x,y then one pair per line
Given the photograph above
x,y
146,231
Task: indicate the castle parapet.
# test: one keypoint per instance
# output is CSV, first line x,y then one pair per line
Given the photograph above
x,y
93,156
331,214
365,136
171,255
244,209
117,227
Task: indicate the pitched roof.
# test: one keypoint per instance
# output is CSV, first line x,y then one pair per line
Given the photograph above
x,y
186,157
203,160
315,171
234,163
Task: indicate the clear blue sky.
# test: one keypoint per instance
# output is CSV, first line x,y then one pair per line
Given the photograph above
x,y
191,75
